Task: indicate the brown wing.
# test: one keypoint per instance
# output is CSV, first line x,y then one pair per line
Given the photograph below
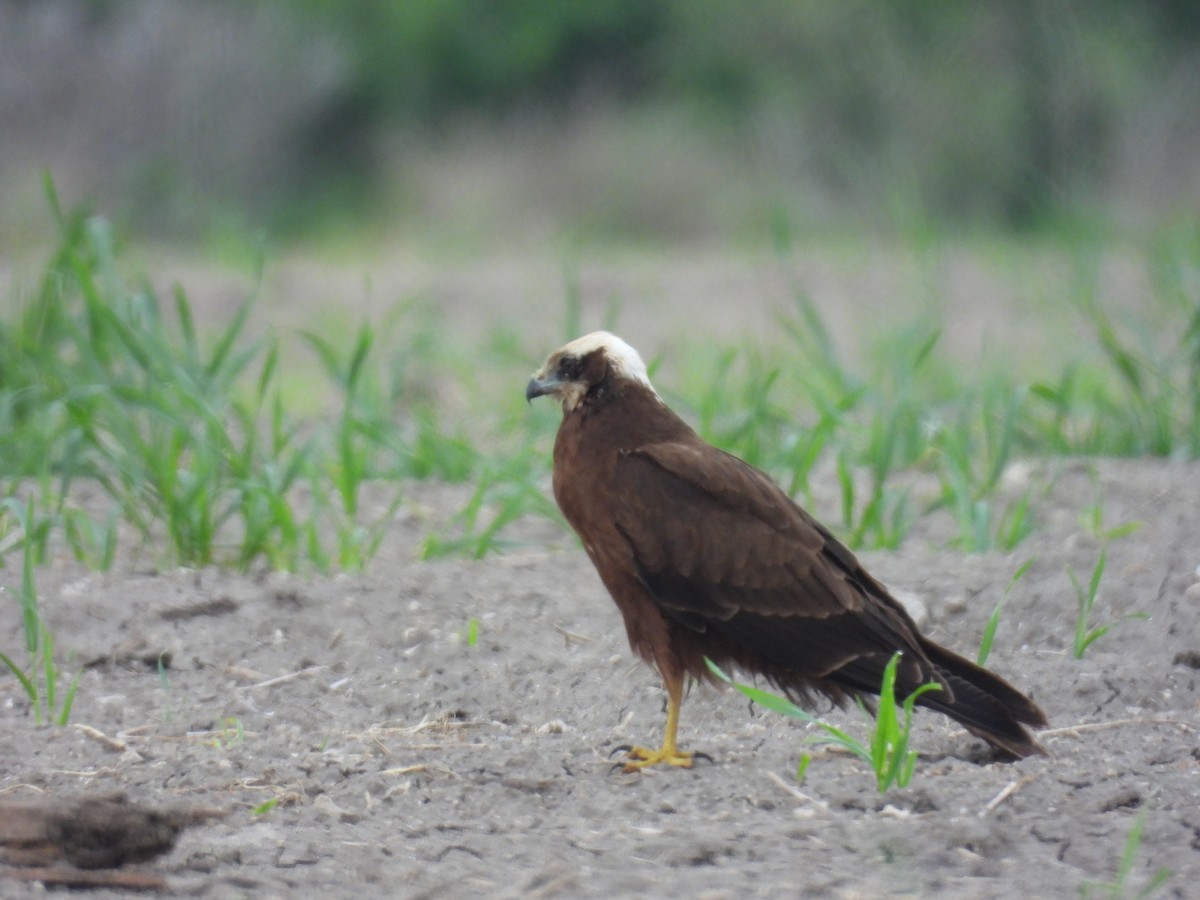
x,y
724,551
755,580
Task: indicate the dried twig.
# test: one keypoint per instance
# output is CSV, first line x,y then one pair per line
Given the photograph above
x,y
283,679
572,637
1009,789
70,877
1115,723
797,793
99,736
420,767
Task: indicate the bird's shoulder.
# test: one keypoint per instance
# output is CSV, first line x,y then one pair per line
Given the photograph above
x,y
696,474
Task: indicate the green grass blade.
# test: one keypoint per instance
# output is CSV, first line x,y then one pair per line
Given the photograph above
x,y
50,681
227,341
1097,574
187,328
989,634
27,684
783,706
993,622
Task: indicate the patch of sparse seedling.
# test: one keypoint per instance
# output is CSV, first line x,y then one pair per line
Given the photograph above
x,y
970,455
93,541
886,752
1145,397
1155,401
866,428
891,437
1091,518
472,634
104,384
1120,888
1085,633
505,491
192,439
993,622
41,679
881,522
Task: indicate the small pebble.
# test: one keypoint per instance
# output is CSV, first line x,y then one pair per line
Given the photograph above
x,y
954,605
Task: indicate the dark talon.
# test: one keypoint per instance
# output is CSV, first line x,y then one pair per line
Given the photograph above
x,y
699,755
624,748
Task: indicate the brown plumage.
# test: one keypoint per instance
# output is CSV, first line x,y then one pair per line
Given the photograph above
x,y
705,556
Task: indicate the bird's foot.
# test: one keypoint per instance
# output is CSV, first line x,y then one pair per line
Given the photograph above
x,y
639,758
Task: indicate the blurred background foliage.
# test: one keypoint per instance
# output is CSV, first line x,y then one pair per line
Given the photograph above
x,y
670,120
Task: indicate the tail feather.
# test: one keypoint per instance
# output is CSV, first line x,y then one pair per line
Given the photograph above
x,y
981,701
845,656
985,704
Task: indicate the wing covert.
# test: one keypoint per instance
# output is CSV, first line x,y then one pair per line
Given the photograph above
x,y
713,536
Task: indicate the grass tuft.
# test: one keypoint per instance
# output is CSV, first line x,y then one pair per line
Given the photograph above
x,y
886,751
993,622
190,437
1120,888
41,678
1085,633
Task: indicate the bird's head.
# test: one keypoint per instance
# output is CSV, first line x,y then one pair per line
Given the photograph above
x,y
585,366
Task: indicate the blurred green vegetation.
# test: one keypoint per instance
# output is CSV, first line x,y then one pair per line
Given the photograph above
x,y
675,119
122,420
1005,113
424,59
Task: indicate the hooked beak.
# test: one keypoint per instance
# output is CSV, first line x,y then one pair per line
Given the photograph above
x,y
540,387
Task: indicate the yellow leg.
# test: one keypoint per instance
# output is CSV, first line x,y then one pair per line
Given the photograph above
x,y
668,753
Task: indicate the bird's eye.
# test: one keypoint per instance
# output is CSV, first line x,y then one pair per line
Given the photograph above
x,y
570,368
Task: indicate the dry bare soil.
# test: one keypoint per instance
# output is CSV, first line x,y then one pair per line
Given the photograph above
x,y
406,762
